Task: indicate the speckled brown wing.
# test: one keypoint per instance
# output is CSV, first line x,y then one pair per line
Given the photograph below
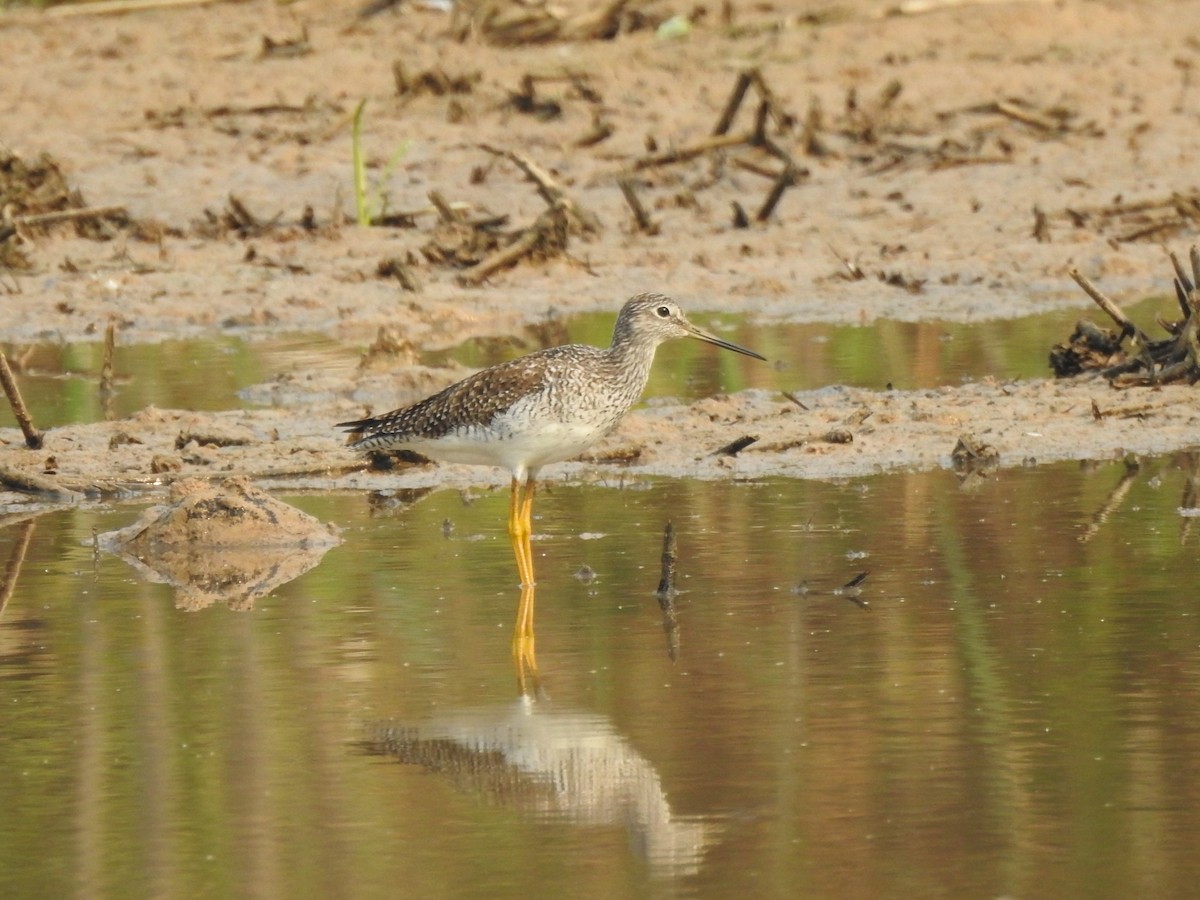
x,y
474,401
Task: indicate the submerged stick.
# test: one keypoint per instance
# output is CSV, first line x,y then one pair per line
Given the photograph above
x,y
106,367
33,437
1115,499
670,556
12,570
670,624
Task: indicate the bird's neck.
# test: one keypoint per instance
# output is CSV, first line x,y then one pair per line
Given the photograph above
x,y
632,358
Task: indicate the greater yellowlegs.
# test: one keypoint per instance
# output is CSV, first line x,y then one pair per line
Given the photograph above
x,y
541,408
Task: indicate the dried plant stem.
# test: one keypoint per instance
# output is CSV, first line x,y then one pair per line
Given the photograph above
x,y
110,7
545,229
31,483
549,189
683,154
69,215
33,437
645,224
1104,302
785,180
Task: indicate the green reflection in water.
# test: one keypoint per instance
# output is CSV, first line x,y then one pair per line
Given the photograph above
x,y
905,355
1014,715
60,382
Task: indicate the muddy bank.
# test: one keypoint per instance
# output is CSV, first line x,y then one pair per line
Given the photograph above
x,y
835,433
947,165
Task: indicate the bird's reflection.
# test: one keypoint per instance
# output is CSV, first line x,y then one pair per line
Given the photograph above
x,y
553,764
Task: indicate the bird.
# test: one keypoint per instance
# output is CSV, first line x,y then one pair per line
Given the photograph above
x,y
544,407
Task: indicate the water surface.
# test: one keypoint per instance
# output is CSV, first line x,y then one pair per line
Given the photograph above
x,y
60,382
1006,709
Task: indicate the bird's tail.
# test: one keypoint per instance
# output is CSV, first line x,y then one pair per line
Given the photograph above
x,y
357,428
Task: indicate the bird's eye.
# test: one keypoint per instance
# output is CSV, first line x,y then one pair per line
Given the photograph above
x,y
664,312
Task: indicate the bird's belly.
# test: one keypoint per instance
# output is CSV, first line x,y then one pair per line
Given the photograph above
x,y
513,448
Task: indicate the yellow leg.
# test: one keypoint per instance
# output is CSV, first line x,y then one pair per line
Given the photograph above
x,y
520,527
527,512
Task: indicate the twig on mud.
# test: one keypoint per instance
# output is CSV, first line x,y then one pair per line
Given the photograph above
x,y
645,224
1187,290
33,437
733,448
548,234
740,86
1041,226
786,179
1032,119
30,483
746,79
511,24
683,154
108,7
447,212
1142,219
601,130
1105,303
767,110
548,188
69,215
549,230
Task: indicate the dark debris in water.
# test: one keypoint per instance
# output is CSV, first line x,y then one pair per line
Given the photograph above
x,y
1127,356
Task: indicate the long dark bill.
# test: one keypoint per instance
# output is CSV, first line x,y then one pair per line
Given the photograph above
x,y
713,339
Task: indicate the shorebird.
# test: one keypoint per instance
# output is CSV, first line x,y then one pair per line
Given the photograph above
x,y
545,407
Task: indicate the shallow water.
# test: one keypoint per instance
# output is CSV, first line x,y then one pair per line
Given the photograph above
x,y
60,382
1007,708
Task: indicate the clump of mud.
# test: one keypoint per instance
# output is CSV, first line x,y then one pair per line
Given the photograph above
x,y
225,542
35,196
